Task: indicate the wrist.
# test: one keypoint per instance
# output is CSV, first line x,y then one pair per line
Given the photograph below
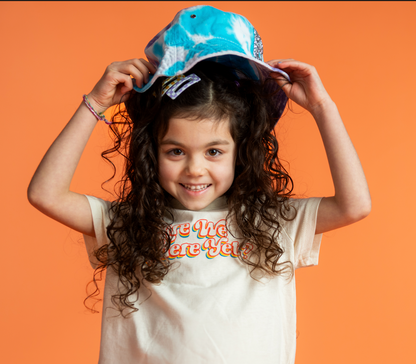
x,y
96,105
97,113
323,108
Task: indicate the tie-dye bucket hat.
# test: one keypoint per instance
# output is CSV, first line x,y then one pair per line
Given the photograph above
x,y
203,33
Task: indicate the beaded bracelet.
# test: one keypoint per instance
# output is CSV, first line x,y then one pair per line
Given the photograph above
x,y
99,116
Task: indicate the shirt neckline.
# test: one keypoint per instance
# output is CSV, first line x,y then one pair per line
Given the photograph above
x,y
217,204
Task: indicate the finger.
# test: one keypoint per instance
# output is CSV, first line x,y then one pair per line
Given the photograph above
x,y
145,68
137,70
106,90
122,96
123,92
274,62
291,65
112,78
298,71
149,65
142,68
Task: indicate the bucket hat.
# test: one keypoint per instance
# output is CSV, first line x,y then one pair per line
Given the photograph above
x,y
203,32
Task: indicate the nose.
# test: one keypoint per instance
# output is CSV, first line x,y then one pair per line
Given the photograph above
x,y
195,167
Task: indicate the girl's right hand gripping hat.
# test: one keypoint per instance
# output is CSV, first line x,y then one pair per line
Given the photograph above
x,y
203,33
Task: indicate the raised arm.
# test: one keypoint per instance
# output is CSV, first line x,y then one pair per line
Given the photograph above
x,y
48,190
352,201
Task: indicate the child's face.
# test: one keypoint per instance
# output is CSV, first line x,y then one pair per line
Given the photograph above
x,y
196,161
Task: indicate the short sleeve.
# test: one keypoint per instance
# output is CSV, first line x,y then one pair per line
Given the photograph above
x,y
301,232
100,216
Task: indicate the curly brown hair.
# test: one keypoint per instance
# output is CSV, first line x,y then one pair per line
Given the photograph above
x,y
258,197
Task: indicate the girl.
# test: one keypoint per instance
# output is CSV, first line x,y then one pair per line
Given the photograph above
x,y
201,245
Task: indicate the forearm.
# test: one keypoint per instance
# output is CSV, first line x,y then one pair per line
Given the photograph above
x,y
56,170
352,195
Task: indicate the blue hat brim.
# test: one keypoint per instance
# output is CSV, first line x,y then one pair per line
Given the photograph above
x,y
249,66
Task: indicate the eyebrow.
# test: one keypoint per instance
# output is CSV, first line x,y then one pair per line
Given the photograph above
x,y
210,144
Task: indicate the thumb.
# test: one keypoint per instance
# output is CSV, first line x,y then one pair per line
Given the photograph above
x,y
124,96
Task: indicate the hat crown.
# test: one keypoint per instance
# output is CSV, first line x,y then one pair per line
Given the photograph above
x,y
199,30
204,33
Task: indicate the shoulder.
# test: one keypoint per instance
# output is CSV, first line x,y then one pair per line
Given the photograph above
x,y
101,218
96,202
305,205
301,231
101,211
302,215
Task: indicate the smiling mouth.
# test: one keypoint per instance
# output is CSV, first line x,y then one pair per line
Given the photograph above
x,y
195,188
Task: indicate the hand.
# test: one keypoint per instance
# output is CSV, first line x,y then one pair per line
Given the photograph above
x,y
305,88
117,82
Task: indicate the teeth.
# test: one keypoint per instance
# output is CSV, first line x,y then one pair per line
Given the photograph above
x,y
195,188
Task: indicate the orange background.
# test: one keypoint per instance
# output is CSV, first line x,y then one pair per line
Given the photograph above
x,y
357,306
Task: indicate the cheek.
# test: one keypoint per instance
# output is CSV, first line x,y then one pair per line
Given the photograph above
x,y
225,172
167,172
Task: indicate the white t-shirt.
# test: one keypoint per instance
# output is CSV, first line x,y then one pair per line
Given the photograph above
x,y
208,310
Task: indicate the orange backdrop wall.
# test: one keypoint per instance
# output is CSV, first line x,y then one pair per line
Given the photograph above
x,y
356,306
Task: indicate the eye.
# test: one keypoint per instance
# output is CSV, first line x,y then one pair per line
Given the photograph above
x,y
214,152
175,151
